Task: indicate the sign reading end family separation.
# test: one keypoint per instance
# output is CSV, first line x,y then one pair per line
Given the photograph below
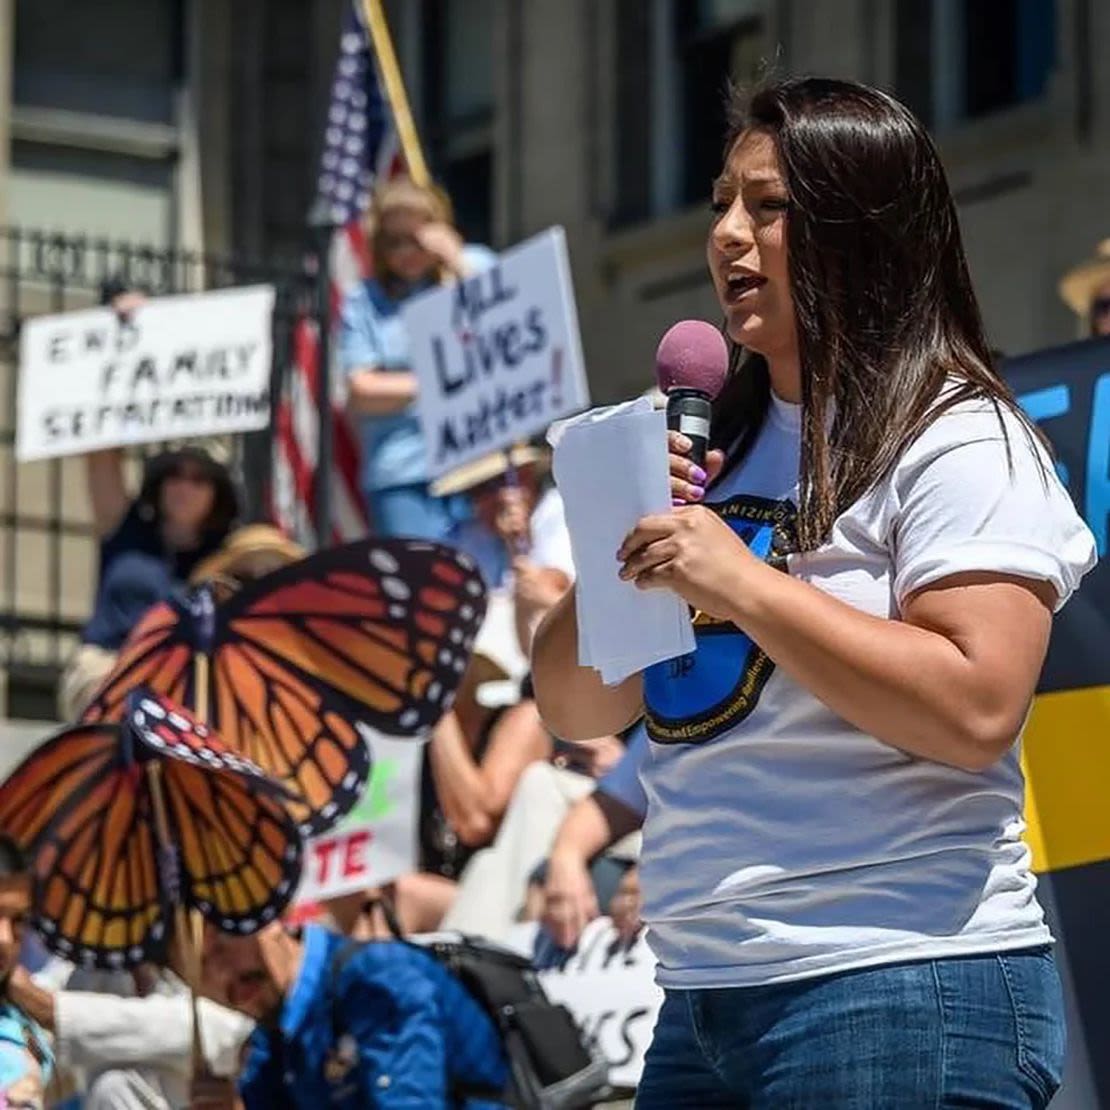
x,y
192,365
497,355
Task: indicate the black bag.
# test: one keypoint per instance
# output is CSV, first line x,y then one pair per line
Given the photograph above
x,y
550,1067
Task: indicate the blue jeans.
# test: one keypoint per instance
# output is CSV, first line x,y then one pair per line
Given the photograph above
x,y
412,512
978,1031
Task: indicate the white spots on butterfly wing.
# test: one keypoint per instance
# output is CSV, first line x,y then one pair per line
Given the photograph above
x,y
139,718
396,589
382,560
228,925
435,692
456,635
409,718
459,665
349,780
205,908
269,913
115,959
398,612
154,709
445,657
329,811
178,722
291,849
283,888
248,925
136,954
154,740
474,587
156,930
86,957
47,926
466,612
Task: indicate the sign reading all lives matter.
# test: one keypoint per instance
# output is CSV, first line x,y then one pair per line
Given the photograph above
x,y
498,355
376,841
192,365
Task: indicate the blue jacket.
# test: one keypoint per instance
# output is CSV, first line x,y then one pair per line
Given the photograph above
x,y
394,1029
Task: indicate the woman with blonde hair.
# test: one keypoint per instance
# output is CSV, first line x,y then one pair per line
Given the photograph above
x,y
415,245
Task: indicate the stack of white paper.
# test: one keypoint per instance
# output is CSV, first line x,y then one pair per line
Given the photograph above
x,y
611,469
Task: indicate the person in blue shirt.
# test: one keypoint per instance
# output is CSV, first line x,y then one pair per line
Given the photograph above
x,y
26,1058
380,1025
414,246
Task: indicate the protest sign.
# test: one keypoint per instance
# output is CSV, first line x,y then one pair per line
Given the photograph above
x,y
608,986
497,355
195,365
376,841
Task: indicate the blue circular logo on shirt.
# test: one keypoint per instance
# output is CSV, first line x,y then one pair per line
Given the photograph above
x,y
700,696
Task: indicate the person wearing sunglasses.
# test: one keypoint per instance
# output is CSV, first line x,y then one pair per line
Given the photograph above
x,y
149,545
1086,291
414,246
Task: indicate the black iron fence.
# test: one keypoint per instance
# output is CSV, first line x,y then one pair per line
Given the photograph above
x,y
47,546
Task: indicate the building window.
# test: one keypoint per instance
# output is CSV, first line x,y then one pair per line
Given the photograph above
x,y
958,60
458,101
717,41
113,58
675,60
95,145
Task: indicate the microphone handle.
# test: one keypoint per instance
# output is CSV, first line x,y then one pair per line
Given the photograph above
x,y
689,412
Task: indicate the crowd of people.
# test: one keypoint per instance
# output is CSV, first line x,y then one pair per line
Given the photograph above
x,y
513,826
516,824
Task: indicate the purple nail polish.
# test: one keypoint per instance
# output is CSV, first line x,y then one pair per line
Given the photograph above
x,y
677,502
697,493
698,476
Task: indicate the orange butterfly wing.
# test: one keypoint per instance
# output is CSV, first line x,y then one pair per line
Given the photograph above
x,y
239,851
375,633
74,806
157,655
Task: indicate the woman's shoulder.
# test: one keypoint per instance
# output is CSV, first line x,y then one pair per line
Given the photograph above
x,y
979,425
368,295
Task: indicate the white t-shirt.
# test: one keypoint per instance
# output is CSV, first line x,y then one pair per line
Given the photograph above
x,y
781,841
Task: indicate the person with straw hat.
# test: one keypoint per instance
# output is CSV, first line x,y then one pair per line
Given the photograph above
x,y
248,553
1085,289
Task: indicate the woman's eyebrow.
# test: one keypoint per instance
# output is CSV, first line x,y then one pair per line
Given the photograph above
x,y
762,177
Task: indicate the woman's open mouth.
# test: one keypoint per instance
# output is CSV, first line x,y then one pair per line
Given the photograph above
x,y
740,285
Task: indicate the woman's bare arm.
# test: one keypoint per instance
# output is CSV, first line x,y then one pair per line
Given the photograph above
x,y
375,392
107,489
573,701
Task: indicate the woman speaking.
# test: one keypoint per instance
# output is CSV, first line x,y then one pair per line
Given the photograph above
x,y
833,872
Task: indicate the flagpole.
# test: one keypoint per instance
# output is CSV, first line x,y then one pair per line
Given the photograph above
x,y
373,15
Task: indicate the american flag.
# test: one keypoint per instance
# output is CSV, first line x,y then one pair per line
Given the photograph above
x,y
360,147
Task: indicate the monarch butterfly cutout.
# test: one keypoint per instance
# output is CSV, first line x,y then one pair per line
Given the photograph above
x,y
104,888
375,633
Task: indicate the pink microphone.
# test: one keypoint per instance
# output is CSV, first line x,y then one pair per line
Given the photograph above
x,y
690,367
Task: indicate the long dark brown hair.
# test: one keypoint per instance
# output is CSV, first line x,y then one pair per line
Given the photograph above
x,y
882,296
